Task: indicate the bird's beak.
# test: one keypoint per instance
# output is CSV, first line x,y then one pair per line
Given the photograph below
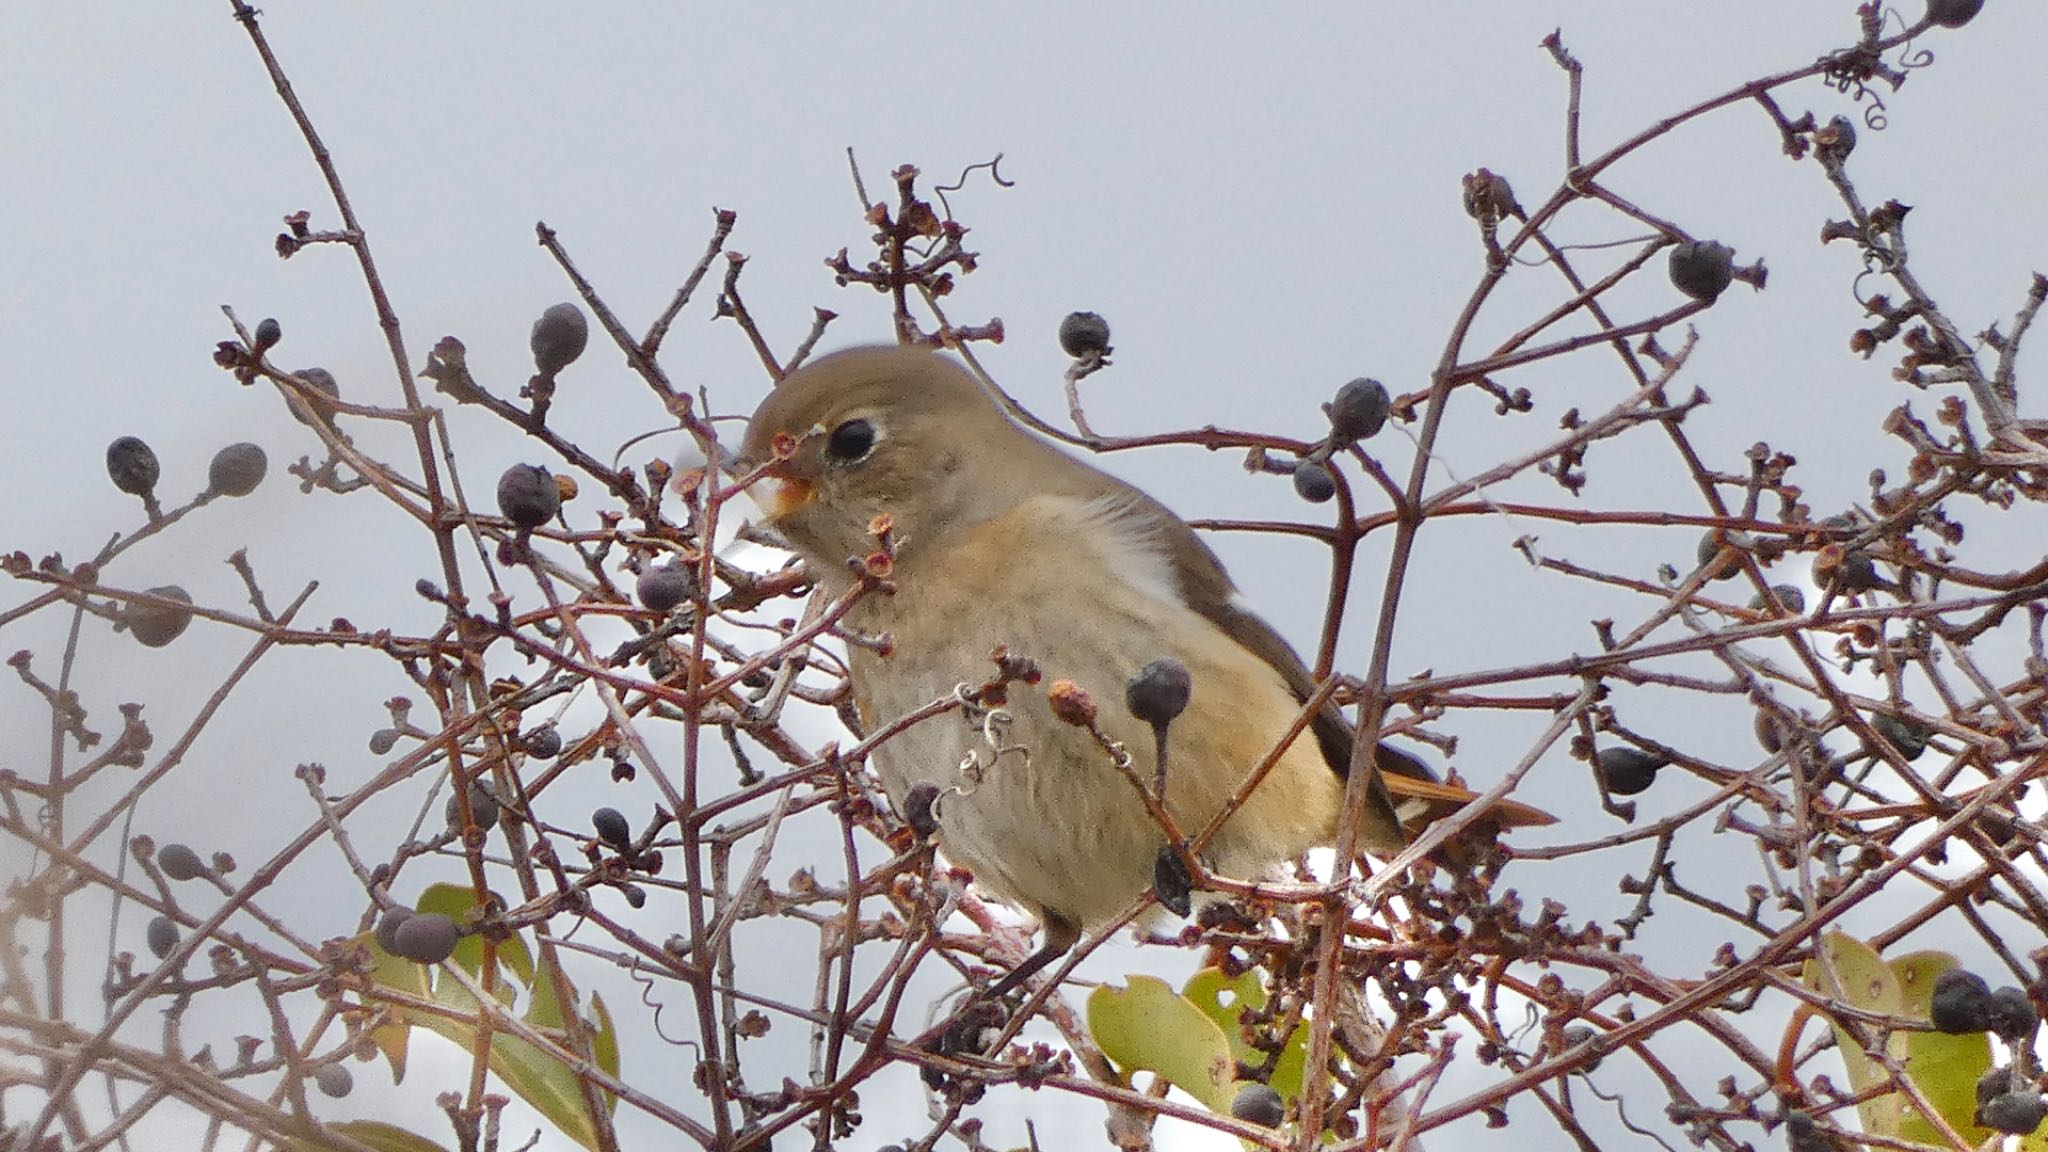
x,y
779,496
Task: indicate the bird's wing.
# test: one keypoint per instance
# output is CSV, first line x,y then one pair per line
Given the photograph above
x,y
1403,783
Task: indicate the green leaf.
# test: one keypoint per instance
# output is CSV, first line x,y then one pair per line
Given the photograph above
x,y
381,1136
1208,989
1147,1025
1867,983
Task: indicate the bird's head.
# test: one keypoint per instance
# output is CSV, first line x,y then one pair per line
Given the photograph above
x,y
870,431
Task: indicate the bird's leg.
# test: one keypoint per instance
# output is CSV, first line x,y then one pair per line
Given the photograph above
x,y
1061,934
985,1010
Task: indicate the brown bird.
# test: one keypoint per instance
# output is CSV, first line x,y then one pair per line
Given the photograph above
x,y
1003,539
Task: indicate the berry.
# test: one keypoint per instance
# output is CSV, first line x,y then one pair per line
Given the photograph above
x,y
132,465
323,383
1313,482
1171,882
1856,573
162,936
635,895
1359,410
268,333
663,586
237,469
1084,334
1789,595
2015,1113
387,928
558,338
527,495
180,862
335,1080
1961,1002
1953,13
1702,269
612,827
1908,736
425,938
1577,1034
1628,770
543,743
1259,1104
1803,1135
383,740
919,810
1710,552
2012,1015
156,625
483,808
1770,732
1159,692
1833,142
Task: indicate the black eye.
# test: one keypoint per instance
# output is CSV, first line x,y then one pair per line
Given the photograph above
x,y
850,441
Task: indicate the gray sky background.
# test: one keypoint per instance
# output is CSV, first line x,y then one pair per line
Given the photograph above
x,y
1264,202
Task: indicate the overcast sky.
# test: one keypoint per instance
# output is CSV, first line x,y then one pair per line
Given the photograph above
x,y
1264,202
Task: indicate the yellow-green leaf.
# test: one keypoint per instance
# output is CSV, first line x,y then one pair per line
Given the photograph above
x,y
381,1136
1866,983
1147,1025
1208,988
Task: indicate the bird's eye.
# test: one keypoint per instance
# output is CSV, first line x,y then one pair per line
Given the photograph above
x,y
850,441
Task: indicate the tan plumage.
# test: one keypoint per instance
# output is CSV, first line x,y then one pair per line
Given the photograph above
x,y
1005,539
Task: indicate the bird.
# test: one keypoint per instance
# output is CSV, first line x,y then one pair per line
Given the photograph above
x,y
999,538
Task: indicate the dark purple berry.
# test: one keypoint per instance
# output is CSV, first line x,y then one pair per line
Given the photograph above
x,y
1359,410
321,383
920,810
663,586
1084,334
156,625
1961,1002
483,808
1628,770
1158,694
335,1080
383,740
387,928
237,469
1259,1104
612,827
1953,13
543,743
268,333
558,338
1803,1135
1313,482
635,895
1908,736
2011,1015
2016,1113
425,938
1789,595
1171,882
162,936
1702,269
1719,549
527,495
1770,732
180,862
133,466
1577,1034
1857,573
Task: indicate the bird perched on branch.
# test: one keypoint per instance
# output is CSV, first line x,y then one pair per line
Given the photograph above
x,y
998,538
